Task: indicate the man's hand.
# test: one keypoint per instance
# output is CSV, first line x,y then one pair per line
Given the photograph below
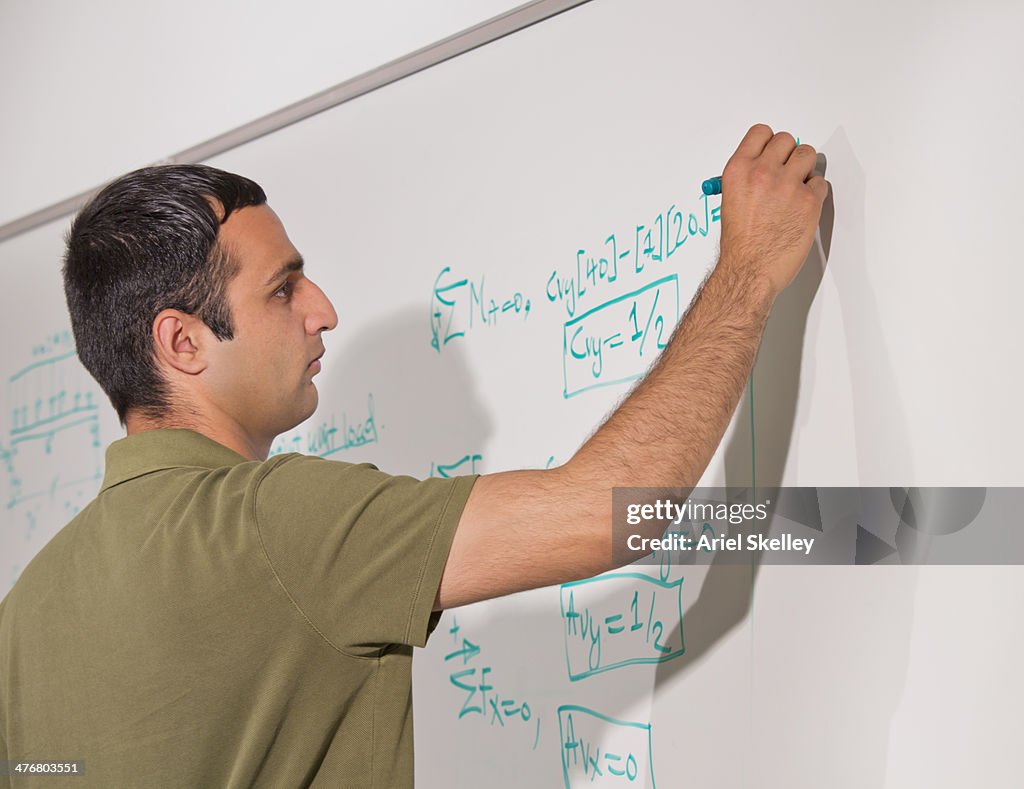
x,y
771,205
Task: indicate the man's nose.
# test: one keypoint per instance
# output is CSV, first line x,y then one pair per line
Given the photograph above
x,y
322,316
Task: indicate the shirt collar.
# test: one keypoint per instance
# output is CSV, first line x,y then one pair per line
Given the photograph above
x,y
152,450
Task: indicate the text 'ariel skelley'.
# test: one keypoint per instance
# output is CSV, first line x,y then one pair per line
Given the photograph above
x,y
723,542
665,509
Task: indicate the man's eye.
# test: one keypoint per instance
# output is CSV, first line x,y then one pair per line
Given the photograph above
x,y
285,290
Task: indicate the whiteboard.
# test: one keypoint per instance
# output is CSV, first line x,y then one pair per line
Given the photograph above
x,y
450,216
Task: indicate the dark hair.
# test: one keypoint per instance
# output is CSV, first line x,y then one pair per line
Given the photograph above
x,y
145,243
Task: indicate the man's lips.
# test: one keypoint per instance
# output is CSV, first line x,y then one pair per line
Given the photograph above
x,y
315,364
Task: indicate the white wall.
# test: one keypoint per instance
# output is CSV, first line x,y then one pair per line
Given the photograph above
x,y
90,90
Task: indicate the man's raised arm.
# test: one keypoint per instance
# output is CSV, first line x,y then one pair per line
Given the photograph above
x,y
525,529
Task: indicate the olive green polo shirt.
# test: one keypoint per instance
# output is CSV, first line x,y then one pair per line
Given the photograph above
x,y
209,621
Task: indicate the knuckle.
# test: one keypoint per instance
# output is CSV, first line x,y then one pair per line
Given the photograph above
x,y
784,135
736,171
762,127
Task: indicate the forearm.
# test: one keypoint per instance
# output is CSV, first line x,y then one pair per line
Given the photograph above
x,y
525,529
667,430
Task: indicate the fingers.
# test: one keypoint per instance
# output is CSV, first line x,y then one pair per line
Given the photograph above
x,y
820,187
753,143
779,148
802,161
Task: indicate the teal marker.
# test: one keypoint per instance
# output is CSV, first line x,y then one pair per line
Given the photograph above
x,y
712,186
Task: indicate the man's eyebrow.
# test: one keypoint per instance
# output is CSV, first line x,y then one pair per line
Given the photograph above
x,y
292,265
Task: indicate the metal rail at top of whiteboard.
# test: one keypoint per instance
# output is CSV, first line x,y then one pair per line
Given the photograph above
x,y
484,33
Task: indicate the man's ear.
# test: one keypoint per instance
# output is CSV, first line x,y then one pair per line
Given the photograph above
x,y
179,339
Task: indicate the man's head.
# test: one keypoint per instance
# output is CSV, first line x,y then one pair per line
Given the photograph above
x,y
187,298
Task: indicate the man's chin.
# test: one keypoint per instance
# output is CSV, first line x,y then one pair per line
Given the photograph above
x,y
298,417
315,401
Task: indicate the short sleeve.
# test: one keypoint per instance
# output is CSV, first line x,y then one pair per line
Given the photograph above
x,y
360,552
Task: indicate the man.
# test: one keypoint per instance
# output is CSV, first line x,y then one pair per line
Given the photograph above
x,y
214,618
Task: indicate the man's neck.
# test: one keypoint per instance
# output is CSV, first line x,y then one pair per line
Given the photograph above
x,y
226,434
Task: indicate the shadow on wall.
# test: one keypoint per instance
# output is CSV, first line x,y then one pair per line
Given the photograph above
x,y
425,407
755,455
870,646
